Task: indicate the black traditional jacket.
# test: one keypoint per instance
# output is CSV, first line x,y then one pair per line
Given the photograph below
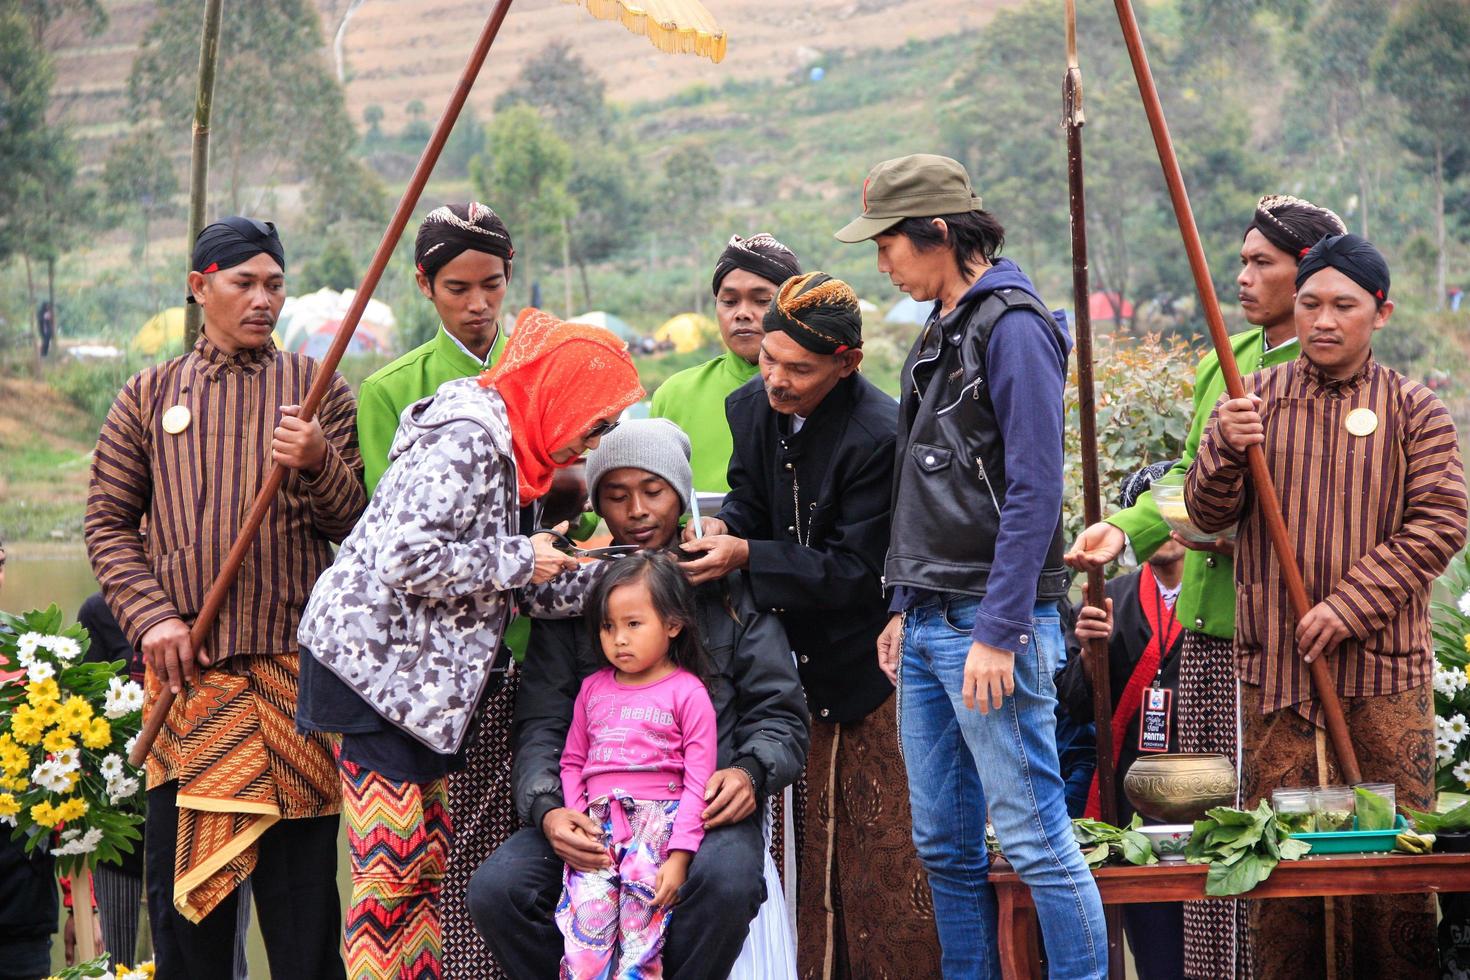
x,y
814,506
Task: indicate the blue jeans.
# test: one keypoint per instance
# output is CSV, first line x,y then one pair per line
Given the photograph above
x,y
958,758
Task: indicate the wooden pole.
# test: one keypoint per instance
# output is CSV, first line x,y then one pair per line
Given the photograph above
x,y
266,497
199,160
1097,649
1322,681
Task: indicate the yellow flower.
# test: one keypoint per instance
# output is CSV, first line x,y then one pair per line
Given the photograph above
x,y
1467,646
45,814
57,740
97,734
18,783
13,758
8,806
72,809
48,713
38,692
27,725
75,714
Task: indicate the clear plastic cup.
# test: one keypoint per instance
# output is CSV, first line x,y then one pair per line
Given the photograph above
x,y
1385,790
1294,810
1334,808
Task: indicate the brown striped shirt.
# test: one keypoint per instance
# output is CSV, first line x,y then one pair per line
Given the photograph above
x,y
192,491
1374,520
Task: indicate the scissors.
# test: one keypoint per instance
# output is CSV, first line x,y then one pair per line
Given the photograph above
x,y
567,546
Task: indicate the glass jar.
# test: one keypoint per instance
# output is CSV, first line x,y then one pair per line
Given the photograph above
x,y
1294,810
1385,790
1334,808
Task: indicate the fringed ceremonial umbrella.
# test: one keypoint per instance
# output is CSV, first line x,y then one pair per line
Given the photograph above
x,y
677,26
673,26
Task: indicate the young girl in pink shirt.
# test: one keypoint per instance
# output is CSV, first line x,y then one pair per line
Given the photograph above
x,y
641,748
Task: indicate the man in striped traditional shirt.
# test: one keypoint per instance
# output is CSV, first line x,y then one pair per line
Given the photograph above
x,y
1372,487
233,791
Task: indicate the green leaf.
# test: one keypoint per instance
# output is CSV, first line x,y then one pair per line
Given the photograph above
x,y
1433,823
1231,817
1373,811
1292,849
1237,878
1137,849
1096,856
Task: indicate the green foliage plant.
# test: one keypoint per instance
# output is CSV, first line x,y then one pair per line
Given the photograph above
x,y
1242,848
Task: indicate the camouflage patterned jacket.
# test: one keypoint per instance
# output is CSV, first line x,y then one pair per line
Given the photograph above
x,y
413,609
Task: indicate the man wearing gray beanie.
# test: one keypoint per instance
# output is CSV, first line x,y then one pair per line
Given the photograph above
x,y
639,481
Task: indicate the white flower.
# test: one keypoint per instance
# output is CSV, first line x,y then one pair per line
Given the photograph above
x,y
1456,728
64,647
121,788
123,698
26,658
128,746
1464,603
112,767
1462,773
51,777
1444,750
70,760
133,975
75,842
8,819
27,644
1449,681
39,670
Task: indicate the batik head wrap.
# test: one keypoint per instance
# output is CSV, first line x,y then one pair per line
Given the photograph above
x,y
1135,483
818,312
760,255
456,228
557,381
1294,225
232,241
1352,255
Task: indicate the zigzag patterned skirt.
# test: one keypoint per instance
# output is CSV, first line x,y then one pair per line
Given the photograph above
x,y
398,835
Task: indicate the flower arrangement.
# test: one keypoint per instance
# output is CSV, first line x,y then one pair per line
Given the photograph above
x,y
100,969
1452,680
66,727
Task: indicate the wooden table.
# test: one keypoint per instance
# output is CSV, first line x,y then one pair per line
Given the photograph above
x,y
1332,874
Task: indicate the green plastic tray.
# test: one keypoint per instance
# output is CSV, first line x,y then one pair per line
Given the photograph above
x,y
1355,841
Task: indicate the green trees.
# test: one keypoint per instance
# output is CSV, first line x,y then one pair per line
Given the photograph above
x,y
278,110
1424,63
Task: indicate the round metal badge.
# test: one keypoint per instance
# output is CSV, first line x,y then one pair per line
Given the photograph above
x,y
1361,422
176,419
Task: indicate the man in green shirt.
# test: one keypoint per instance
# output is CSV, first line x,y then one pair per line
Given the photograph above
x,y
1282,230
747,276
463,258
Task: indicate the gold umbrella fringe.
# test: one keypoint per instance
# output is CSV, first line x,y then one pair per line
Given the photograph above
x,y
674,26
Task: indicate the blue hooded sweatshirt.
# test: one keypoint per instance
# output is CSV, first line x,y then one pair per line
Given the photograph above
x,y
1026,372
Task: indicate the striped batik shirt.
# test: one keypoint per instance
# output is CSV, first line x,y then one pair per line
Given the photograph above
x,y
164,509
1374,519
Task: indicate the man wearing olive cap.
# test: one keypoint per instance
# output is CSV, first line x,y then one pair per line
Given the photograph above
x,y
233,791
1372,487
974,566
807,517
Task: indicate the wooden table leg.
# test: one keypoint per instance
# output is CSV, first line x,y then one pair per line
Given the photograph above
x,y
1016,934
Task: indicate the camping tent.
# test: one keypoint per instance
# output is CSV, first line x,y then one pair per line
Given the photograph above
x,y
163,334
1104,306
308,323
605,320
687,332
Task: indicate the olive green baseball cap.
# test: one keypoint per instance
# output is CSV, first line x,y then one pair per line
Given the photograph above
x,y
920,185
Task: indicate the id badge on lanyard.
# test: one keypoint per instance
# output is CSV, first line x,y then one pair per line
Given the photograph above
x,y
1156,719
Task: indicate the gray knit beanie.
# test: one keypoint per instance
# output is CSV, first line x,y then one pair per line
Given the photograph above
x,y
656,445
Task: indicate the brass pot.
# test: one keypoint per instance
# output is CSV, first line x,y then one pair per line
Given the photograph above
x,y
1178,787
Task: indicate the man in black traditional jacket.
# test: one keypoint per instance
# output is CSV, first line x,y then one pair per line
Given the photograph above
x,y
808,517
639,477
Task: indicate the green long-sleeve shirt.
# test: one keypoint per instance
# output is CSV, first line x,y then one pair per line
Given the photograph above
x,y
1207,597
694,400
392,388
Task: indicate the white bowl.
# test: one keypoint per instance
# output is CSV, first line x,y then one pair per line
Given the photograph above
x,y
1169,498
1168,839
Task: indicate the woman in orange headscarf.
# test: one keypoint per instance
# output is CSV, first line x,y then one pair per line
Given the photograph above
x,y
401,639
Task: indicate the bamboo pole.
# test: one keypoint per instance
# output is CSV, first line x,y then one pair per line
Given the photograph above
x,y
84,917
1322,681
266,497
1073,120
199,160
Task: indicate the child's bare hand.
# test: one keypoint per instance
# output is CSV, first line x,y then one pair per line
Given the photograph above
x,y
671,877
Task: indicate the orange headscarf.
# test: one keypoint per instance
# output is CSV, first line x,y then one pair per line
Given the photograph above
x,y
558,380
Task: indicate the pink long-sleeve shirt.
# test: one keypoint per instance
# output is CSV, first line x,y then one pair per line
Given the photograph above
x,y
652,742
